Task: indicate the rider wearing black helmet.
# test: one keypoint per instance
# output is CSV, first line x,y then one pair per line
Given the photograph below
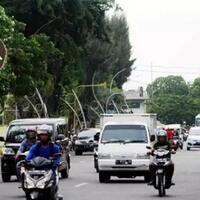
x,y
28,141
25,146
162,143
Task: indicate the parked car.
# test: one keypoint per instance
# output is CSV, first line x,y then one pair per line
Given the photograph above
x,y
85,141
15,135
193,139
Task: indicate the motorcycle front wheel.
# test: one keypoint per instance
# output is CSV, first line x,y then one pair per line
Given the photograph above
x,y
161,187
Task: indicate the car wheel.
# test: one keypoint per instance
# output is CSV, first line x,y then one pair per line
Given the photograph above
x,y
104,177
5,177
188,148
65,172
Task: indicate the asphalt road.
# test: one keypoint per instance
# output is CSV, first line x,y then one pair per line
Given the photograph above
x,y
83,182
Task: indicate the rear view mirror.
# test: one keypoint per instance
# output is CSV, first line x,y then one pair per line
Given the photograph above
x,y
152,138
2,139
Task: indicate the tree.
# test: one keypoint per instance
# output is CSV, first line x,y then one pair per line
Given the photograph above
x,y
169,99
195,88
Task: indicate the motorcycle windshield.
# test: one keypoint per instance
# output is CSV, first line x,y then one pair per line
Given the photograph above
x,y
40,162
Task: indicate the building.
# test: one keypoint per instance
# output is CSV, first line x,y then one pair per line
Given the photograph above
x,y
136,101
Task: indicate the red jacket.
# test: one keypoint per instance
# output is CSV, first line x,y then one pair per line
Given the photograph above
x,y
170,133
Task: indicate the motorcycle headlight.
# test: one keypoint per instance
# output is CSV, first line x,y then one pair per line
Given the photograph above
x,y
45,182
104,156
28,181
143,156
8,151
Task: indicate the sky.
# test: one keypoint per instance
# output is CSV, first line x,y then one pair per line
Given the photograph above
x,y
165,39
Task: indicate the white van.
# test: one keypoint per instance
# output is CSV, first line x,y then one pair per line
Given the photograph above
x,y
122,150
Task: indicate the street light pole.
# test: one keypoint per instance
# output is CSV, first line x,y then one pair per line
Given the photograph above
x,y
98,102
115,77
73,111
108,99
77,99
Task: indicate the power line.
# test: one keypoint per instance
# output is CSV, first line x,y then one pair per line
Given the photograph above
x,y
168,66
165,72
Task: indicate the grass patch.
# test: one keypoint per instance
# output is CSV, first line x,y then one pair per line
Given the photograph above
x,y
3,130
2,134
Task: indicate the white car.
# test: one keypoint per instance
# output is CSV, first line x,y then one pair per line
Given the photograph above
x,y
193,139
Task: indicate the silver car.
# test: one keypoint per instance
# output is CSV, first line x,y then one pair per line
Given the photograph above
x,y
193,139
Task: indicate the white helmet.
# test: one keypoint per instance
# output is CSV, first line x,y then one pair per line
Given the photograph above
x,y
44,129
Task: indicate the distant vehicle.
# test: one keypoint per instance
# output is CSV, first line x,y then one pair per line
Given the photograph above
x,y
193,140
177,135
85,141
122,145
197,120
15,135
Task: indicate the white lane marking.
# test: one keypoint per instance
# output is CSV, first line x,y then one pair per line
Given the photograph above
x,y
80,185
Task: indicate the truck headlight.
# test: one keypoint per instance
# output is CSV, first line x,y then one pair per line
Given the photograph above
x,y
104,156
8,151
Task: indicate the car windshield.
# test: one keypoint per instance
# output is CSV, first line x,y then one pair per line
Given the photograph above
x,y
124,133
87,134
16,133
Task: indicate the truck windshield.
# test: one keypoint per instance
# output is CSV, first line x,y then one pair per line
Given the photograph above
x,y
125,134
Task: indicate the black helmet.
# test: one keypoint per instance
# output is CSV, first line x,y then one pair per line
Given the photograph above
x,y
162,136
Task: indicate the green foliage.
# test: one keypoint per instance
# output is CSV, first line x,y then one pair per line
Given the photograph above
x,y
168,85
195,88
60,45
173,100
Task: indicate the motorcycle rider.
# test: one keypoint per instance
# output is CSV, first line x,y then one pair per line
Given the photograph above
x,y
162,143
26,144
45,148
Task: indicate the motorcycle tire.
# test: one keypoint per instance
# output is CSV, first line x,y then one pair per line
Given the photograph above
x,y
161,187
65,172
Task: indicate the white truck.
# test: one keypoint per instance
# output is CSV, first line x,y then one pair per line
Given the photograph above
x,y
122,145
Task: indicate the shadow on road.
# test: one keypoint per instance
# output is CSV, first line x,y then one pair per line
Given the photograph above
x,y
127,181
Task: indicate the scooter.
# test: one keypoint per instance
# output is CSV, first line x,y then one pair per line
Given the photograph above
x,y
39,180
161,159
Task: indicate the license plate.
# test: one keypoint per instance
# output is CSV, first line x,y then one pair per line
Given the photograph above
x,y
123,162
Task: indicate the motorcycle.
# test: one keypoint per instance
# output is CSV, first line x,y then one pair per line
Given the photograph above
x,y
161,159
177,142
39,180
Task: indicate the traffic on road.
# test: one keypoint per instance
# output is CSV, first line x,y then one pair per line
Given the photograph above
x,y
128,151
